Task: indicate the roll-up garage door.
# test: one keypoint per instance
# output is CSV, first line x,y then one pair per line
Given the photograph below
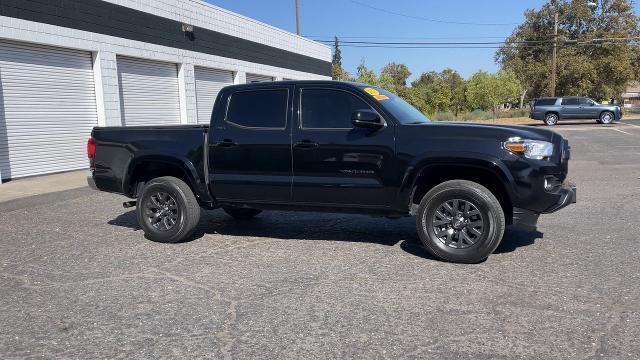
x,y
148,92
209,82
47,109
254,78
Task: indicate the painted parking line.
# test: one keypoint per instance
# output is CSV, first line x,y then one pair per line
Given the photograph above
x,y
622,131
592,129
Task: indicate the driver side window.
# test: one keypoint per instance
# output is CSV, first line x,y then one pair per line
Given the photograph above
x,y
328,109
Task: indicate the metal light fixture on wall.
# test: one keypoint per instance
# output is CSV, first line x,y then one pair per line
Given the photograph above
x,y
188,31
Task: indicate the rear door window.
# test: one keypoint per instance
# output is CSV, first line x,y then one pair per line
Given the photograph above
x,y
546,102
570,101
258,109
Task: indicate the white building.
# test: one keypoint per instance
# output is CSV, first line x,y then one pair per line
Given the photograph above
x,y
67,66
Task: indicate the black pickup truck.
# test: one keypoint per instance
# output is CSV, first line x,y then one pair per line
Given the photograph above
x,y
336,147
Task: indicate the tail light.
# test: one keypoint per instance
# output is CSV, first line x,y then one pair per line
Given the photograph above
x,y
91,152
91,148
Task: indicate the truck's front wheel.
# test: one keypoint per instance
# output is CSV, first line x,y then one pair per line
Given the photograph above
x,y
167,210
460,221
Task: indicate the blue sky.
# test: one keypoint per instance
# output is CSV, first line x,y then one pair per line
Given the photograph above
x,y
356,18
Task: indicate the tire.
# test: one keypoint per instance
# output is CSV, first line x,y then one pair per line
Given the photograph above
x,y
242,213
174,200
551,119
461,242
607,117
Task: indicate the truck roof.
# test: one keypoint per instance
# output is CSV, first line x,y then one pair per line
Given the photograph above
x,y
298,82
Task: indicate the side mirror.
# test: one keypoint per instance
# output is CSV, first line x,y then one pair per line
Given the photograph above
x,y
366,119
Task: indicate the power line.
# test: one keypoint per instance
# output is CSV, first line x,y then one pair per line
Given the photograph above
x,y
324,38
484,44
519,46
436,43
387,11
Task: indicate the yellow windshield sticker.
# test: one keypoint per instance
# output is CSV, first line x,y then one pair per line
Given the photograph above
x,y
372,92
376,94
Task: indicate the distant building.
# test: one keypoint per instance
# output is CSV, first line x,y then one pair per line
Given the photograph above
x,y
631,98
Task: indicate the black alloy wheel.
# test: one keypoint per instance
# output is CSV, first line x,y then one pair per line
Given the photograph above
x,y
167,210
458,223
161,211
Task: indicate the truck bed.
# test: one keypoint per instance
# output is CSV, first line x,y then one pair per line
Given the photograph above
x,y
123,151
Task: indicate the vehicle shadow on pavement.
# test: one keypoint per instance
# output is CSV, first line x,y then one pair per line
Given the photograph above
x,y
514,239
327,227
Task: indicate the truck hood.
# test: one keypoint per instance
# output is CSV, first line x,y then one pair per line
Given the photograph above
x,y
471,131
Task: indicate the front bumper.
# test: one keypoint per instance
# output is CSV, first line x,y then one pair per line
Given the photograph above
x,y
568,195
90,181
527,220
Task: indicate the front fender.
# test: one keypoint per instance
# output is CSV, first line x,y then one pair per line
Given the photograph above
x,y
423,161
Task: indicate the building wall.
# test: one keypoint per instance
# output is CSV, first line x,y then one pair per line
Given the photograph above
x,y
152,29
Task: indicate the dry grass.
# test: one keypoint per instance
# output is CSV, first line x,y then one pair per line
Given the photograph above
x,y
509,121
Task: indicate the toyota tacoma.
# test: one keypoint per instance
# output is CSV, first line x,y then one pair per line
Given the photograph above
x,y
336,147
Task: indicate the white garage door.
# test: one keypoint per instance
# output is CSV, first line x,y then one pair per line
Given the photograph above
x,y
47,109
148,92
254,78
209,82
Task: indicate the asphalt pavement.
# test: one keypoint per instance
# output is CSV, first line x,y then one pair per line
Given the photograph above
x,y
78,280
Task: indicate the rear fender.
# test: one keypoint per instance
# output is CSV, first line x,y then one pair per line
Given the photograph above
x,y
194,179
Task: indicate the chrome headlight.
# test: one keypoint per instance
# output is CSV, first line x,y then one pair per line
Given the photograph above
x,y
531,149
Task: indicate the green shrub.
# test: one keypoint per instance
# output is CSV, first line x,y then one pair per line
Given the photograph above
x,y
477,115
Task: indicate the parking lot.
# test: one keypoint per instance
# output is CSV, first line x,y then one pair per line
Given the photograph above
x,y
78,280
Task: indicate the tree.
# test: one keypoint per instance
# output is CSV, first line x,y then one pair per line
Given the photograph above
x,y
368,76
430,93
586,65
487,91
398,73
337,71
457,86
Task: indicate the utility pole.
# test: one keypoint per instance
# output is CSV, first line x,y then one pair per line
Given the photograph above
x,y
555,50
297,17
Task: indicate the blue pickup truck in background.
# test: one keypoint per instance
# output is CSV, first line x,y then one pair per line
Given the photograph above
x,y
552,109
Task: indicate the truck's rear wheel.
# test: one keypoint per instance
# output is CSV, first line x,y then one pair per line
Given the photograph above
x,y
242,213
167,210
460,221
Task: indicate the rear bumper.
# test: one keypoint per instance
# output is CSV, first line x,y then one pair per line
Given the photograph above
x,y
90,181
527,220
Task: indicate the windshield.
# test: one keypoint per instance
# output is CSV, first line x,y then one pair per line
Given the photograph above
x,y
400,109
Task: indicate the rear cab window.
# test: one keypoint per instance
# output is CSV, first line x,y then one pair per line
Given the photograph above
x,y
258,109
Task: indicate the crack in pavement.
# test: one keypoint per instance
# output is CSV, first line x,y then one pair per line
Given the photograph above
x,y
599,347
225,336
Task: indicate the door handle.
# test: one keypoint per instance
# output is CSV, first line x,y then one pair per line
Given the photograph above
x,y
306,144
227,143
